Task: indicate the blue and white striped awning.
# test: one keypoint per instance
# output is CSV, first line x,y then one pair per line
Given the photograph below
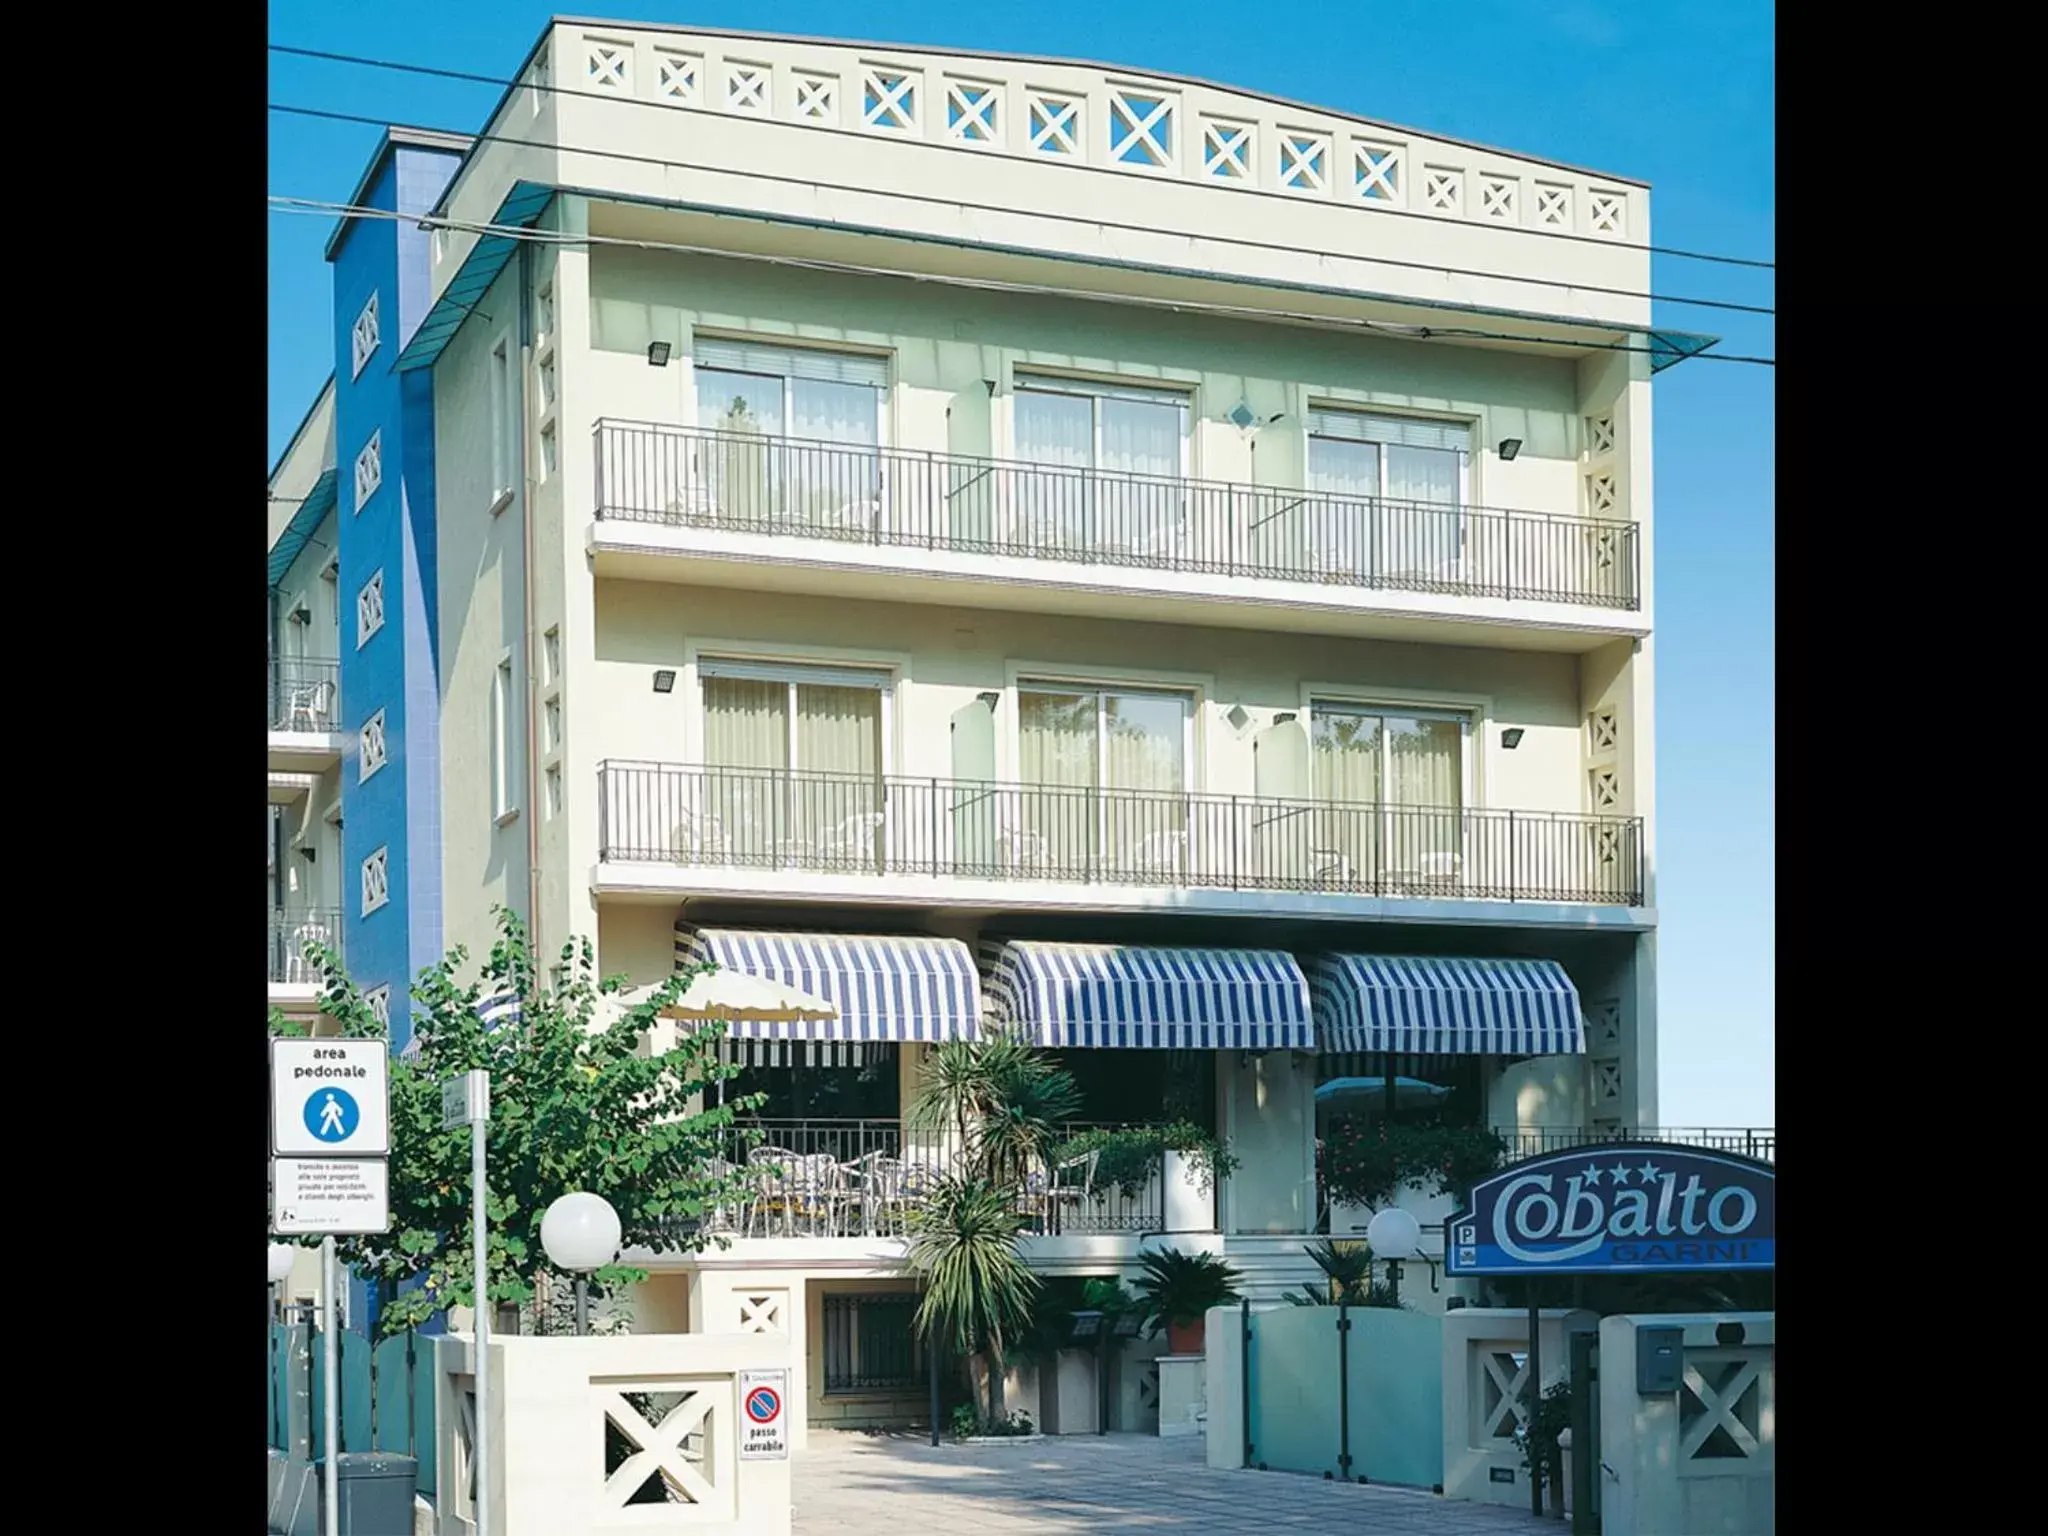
x,y
1148,998
1446,1007
887,987
496,1007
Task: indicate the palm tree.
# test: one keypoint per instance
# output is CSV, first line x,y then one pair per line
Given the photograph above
x,y
1003,1099
1347,1268
963,1241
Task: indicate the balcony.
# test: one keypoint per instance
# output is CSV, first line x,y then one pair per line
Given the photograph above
x,y
305,715
295,981
760,832
1255,554
863,1178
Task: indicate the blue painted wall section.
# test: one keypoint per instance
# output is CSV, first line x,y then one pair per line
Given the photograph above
x,y
397,670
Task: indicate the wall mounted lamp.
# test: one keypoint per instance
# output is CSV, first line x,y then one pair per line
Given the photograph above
x,y
1511,738
301,615
990,699
658,353
1509,447
664,680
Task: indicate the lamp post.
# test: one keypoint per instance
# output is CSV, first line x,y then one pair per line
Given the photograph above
x,y
1393,1235
580,1232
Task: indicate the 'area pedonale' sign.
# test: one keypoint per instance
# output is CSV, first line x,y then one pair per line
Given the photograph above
x,y
1617,1208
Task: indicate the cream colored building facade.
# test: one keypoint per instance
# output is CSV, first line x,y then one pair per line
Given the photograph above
x,y
982,501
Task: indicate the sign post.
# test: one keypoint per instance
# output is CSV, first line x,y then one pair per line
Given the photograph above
x,y
330,1144
1624,1207
466,1100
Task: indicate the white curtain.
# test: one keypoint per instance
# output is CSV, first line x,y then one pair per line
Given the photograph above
x,y
1140,437
1337,535
734,473
1145,748
1425,761
839,487
1059,750
838,733
746,726
1347,760
1058,432
1422,517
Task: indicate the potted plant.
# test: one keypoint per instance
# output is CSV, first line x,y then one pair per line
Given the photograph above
x,y
1176,1291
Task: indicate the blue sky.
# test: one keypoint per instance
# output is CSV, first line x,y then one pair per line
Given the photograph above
x,y
1678,94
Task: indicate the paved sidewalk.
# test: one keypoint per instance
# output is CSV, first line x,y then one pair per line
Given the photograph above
x,y
889,1485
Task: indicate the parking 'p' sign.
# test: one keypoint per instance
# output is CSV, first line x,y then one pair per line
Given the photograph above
x,y
764,1405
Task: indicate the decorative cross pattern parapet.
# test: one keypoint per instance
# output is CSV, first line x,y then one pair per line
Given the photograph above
x,y
1048,109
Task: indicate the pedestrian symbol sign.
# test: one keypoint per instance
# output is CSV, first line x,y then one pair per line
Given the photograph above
x,y
764,1395
329,1098
332,1116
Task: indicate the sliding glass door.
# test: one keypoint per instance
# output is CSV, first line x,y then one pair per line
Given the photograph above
x,y
794,765
1390,790
1094,441
796,437
1106,776
1389,498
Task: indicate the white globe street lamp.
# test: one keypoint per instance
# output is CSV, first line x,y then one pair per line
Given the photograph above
x,y
580,1232
1394,1235
281,1256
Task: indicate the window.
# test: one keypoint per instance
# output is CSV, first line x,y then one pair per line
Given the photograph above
x,y
551,657
369,609
1389,490
794,761
370,746
504,427
795,437
1074,743
820,1080
1390,789
1148,1088
554,777
370,468
871,1343
376,880
505,742
551,726
1115,456
544,313
363,339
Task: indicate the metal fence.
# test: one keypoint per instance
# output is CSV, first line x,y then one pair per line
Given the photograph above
x,y
305,695
1747,1141
852,493
871,1345
850,824
386,1394
291,931
865,1178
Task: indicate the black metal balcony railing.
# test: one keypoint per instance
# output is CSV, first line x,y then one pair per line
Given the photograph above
x,y
1748,1141
847,824
863,1178
750,483
305,695
291,930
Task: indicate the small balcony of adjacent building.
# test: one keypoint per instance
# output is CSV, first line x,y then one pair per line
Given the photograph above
x,y
305,715
294,977
747,509
668,830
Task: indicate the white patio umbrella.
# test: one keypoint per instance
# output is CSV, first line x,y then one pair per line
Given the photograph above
x,y
737,997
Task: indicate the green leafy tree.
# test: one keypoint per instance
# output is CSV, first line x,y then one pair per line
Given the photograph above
x,y
977,1291
578,1102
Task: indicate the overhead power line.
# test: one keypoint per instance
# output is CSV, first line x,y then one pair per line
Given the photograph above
x,y
516,232
553,88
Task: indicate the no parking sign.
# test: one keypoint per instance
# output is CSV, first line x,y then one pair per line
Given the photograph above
x,y
764,1415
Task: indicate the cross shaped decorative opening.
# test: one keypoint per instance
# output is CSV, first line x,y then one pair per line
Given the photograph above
x,y
1376,173
1602,731
1226,150
369,470
608,65
889,100
1605,790
763,1311
746,88
1504,1376
669,1434
680,74
1606,1080
1442,190
1140,128
370,745
1608,213
1554,206
817,98
370,608
1497,199
1599,434
376,879
1054,123
1304,161
363,337
971,112
1721,1408
1600,494
378,1001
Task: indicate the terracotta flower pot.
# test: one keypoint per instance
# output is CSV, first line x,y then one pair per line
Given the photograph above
x,y
1185,1338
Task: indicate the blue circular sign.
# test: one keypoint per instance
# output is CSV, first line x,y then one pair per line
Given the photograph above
x,y
763,1404
331,1115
